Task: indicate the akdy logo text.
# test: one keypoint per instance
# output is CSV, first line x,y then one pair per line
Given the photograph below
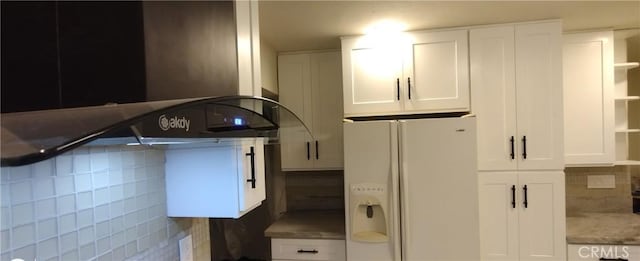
x,y
173,123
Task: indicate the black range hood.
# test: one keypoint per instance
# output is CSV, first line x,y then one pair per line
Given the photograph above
x,y
29,137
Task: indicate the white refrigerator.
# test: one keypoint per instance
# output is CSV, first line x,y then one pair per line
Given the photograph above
x,y
411,190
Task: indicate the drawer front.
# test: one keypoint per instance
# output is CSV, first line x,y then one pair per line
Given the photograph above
x,y
606,252
308,249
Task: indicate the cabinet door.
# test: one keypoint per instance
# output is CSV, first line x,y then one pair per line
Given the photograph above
x,y
498,215
493,99
252,178
436,72
542,218
589,132
539,95
294,81
326,83
371,78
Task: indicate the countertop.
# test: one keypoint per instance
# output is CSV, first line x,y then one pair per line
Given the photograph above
x,y
308,225
604,228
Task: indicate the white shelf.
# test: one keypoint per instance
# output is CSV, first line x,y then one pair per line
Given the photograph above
x,y
626,65
628,98
627,130
627,162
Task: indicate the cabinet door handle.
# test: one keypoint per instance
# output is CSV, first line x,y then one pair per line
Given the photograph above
x,y
302,251
513,152
317,151
513,196
524,147
409,86
398,88
308,151
526,201
252,155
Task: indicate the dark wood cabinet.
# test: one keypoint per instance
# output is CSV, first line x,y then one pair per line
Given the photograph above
x,y
71,54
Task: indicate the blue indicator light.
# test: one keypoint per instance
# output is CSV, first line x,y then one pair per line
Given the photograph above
x,y
237,121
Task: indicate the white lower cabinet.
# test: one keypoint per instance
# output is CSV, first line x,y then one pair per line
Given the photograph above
x,y
223,181
308,249
522,215
584,252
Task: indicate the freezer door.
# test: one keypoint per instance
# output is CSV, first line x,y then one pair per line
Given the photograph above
x,y
371,162
439,191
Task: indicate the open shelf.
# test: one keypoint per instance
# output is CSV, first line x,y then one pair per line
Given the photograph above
x,y
626,65
627,98
627,163
627,130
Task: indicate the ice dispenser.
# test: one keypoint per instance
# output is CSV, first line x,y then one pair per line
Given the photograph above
x,y
368,206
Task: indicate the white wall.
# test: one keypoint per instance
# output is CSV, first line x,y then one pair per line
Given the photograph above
x,y
269,67
94,203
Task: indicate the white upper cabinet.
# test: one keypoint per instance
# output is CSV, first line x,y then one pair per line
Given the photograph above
x,y
310,84
248,46
223,181
416,72
516,84
589,127
436,72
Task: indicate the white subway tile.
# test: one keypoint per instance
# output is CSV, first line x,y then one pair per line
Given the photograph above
x,y
117,208
21,192
142,215
140,174
115,160
83,182
128,175
5,195
119,253
131,234
44,187
127,159
5,240
68,242
143,243
118,239
46,208
130,220
157,224
48,249
97,149
23,235
117,192
106,257
138,158
156,211
154,156
5,218
101,213
84,150
101,196
68,223
103,245
44,169
117,224
86,235
66,204
129,205
23,214
71,255
142,201
84,200
64,165
26,253
141,187
115,176
99,162
85,218
131,248
47,228
81,163
103,229
143,230
100,179
64,185
20,173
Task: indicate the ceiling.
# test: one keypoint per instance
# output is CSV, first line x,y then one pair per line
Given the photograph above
x,y
314,25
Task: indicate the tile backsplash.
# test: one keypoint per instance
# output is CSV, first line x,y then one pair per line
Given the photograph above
x,y
580,198
94,203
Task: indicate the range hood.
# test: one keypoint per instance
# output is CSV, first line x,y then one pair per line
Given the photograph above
x,y
29,137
